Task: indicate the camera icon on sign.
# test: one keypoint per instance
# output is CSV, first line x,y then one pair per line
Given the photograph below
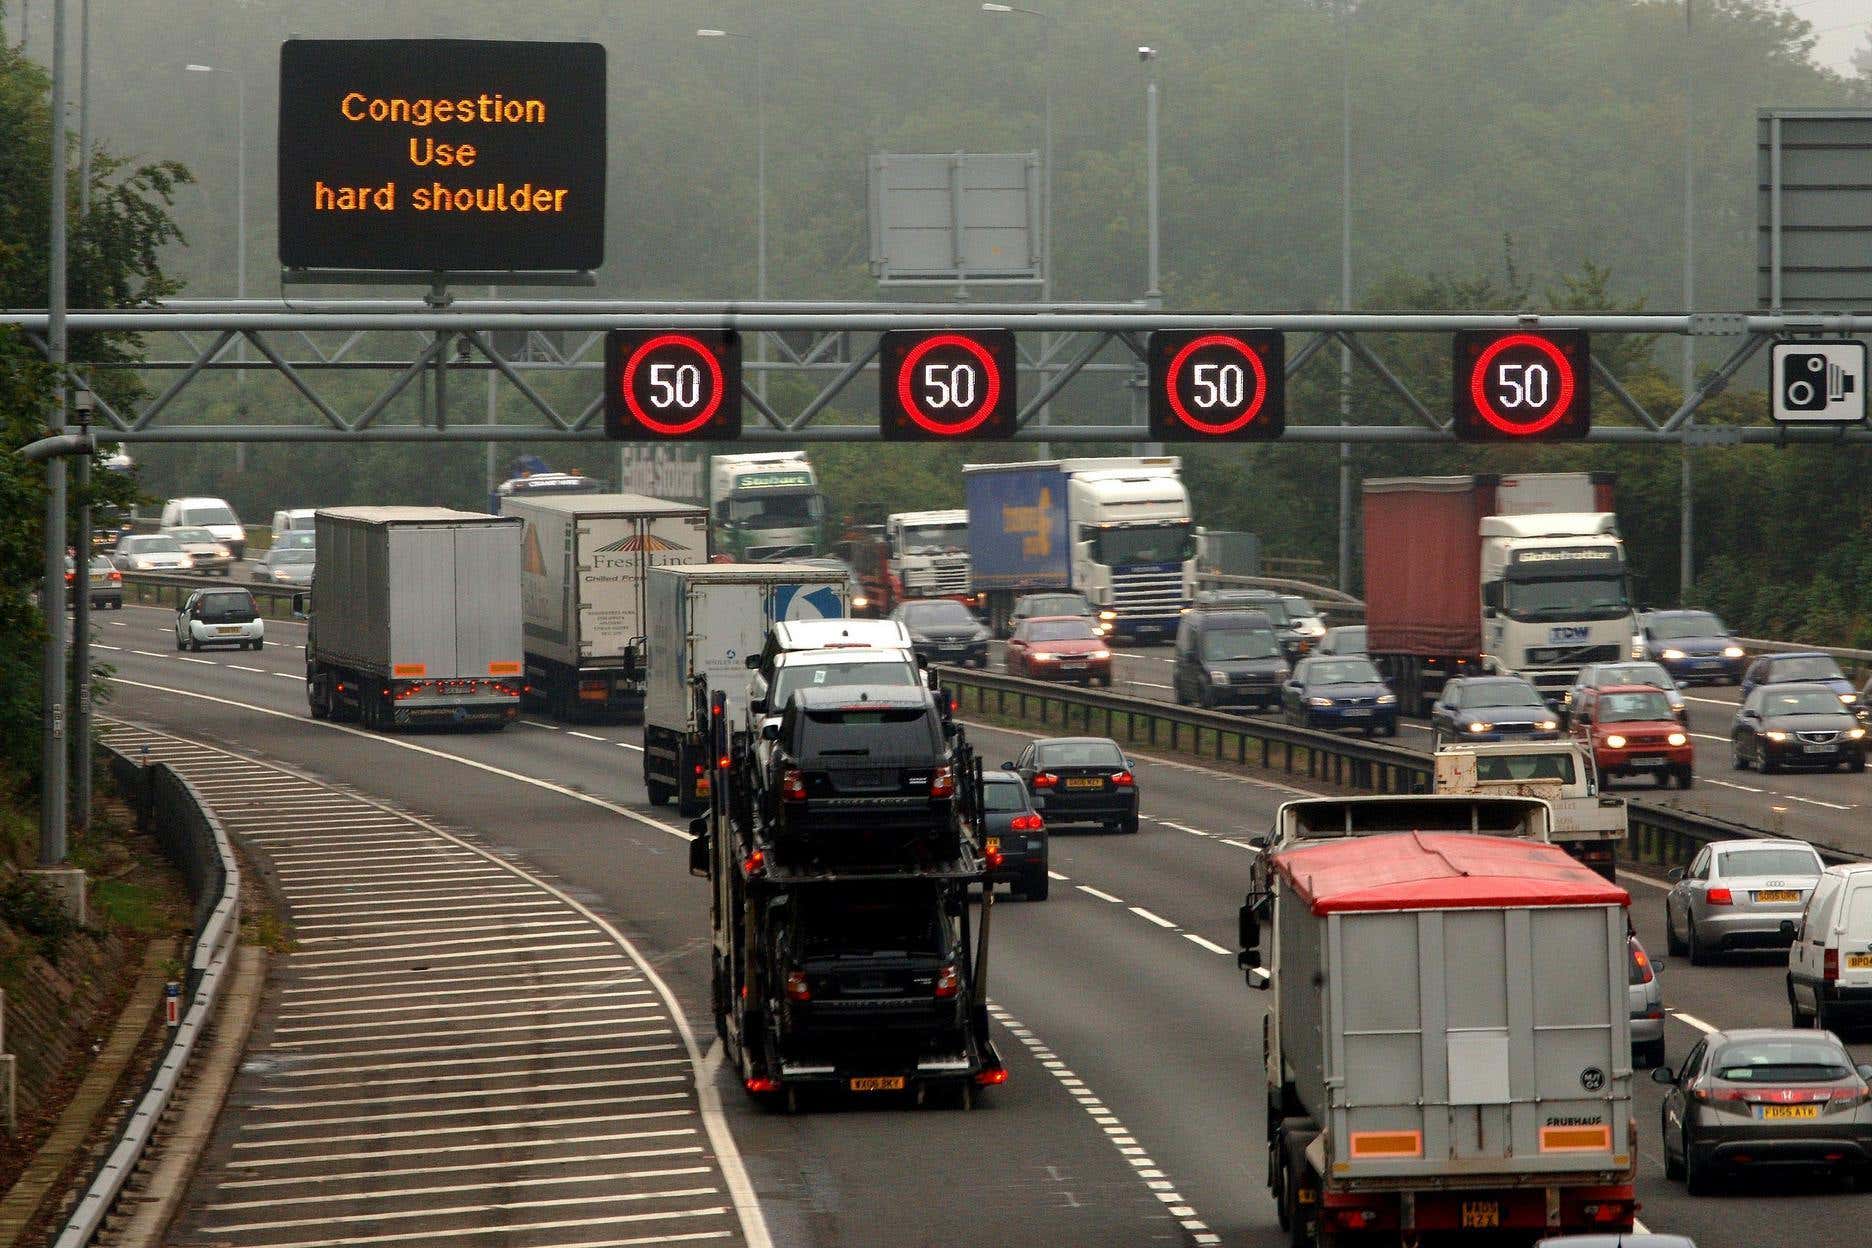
x,y
1809,382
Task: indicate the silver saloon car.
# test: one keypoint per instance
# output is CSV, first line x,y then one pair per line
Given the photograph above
x,y
1736,894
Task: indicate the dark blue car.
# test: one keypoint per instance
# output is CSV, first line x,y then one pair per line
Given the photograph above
x,y
1334,692
1802,667
1691,646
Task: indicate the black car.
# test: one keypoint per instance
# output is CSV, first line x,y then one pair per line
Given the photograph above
x,y
1227,658
942,631
1080,780
1797,725
1015,831
1692,646
1058,602
1331,692
1296,639
861,774
1491,708
1799,668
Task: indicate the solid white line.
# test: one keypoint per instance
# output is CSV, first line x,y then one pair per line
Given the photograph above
x,y
568,1025
506,998
584,1085
1102,896
486,1128
429,1063
1691,1020
1148,917
454,1210
427,1016
423,902
389,938
1182,828
404,1193
442,915
529,976
477,1165
411,1115
1730,784
491,963
417,949
1210,945
511,1070
727,1154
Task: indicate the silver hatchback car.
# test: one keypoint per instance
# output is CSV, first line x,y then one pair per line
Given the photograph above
x,y
1735,895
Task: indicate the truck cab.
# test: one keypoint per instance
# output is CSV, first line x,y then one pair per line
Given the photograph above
x,y
1134,542
1554,595
766,507
929,553
1588,824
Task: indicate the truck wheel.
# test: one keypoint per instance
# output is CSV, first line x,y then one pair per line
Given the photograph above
x,y
316,702
1295,1173
658,794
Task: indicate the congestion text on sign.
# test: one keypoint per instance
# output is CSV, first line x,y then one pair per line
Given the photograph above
x,y
446,155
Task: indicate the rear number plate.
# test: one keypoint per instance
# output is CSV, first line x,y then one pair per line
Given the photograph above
x,y
1778,894
1859,961
1790,1111
1085,782
229,630
1480,1215
877,1083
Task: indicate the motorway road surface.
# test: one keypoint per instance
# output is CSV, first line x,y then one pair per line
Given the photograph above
x,y
1133,1112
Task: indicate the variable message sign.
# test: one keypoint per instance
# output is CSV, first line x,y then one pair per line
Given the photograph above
x,y
1217,386
947,384
1521,386
681,385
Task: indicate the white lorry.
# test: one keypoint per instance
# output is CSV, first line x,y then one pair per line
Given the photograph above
x,y
767,506
583,562
1586,823
707,619
929,553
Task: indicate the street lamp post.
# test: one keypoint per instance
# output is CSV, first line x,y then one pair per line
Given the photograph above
x,y
1044,417
1686,565
53,791
240,225
1345,291
760,183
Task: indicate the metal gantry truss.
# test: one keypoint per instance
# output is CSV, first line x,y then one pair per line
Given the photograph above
x,y
523,342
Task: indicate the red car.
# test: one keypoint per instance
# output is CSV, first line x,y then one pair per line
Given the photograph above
x,y
1632,731
1060,647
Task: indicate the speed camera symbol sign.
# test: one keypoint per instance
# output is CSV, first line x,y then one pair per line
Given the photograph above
x,y
1819,383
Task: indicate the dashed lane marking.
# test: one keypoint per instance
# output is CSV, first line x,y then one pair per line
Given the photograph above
x,y
1101,895
1210,945
1691,1020
1149,917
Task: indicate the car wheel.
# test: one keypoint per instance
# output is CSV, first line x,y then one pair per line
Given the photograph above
x,y
1765,760
1650,1054
1822,1017
1130,825
1673,944
1035,883
1662,779
1699,956
1857,763
194,645
178,643
1673,1166
1796,1019
1696,1176
1741,760
1686,778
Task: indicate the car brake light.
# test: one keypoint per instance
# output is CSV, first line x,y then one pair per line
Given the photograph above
x,y
1842,1098
994,858
758,1086
1643,962
948,982
116,575
793,785
797,989
942,782
1711,1096
753,863
1027,823
1123,780
1045,780
1829,970
1719,897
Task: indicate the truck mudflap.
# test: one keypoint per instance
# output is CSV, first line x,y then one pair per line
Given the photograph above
x,y
1550,1208
975,1065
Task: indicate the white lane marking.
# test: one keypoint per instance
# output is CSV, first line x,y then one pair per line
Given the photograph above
x,y
404,1193
1114,1130
1147,684
1183,828
741,1193
255,1163
543,1125
395,743
430,1063
583,1085
1210,945
625,745
585,735
501,1207
1722,702
149,654
521,993
528,963
287,675
118,624
1662,886
528,723
1054,875
240,668
183,658
1730,784
1253,849
432,1015
570,1024
509,1070
387,937
98,645
1710,736
1812,801
408,1115
412,1171
1148,917
1691,1020
1102,896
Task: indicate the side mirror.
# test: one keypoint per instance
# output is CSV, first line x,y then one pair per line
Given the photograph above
x,y
1663,1075
299,606
757,705
770,732
1259,842
1260,978
699,849
1007,766
1248,932
1674,874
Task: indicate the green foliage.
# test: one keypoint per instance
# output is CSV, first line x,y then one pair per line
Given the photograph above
x,y
28,905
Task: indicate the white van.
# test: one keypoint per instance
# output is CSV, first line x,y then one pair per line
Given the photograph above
x,y
1829,978
293,520
212,514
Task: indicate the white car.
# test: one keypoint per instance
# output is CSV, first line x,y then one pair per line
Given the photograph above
x,y
206,551
219,617
151,552
212,514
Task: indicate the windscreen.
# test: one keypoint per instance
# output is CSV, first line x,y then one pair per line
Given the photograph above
x,y
886,732
1767,862
1061,630
1058,604
156,546
1500,693
1525,768
192,535
216,514
282,557
1343,672
777,511
1080,754
227,606
1633,674
925,614
1695,624
1298,607
1781,1061
794,677
1809,667
1223,645
1630,707
931,539
1581,598
1805,702
1144,543
1004,795
298,539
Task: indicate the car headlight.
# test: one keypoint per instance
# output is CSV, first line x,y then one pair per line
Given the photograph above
x,y
1678,738
1672,654
861,602
1547,725
1478,725
1108,615
1045,658
1218,677
1101,654
1319,701
1387,699
1849,698
1854,734
1775,734
1732,652
1615,742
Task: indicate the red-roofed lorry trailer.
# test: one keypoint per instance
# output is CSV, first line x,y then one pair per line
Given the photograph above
x,y
584,562
1528,570
1447,1049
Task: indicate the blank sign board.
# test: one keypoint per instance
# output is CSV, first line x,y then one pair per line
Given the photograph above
x,y
955,217
1814,209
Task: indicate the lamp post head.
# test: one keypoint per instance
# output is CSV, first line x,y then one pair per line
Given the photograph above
x,y
1147,53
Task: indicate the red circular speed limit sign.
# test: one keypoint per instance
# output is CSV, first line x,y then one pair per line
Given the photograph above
x,y
673,384
1223,384
1521,385
946,384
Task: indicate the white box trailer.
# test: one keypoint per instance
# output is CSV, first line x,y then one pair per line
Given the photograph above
x,y
584,562
415,617
706,621
1449,1046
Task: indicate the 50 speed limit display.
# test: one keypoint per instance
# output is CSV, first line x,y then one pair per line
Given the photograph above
x,y
942,384
1521,386
1217,385
673,385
